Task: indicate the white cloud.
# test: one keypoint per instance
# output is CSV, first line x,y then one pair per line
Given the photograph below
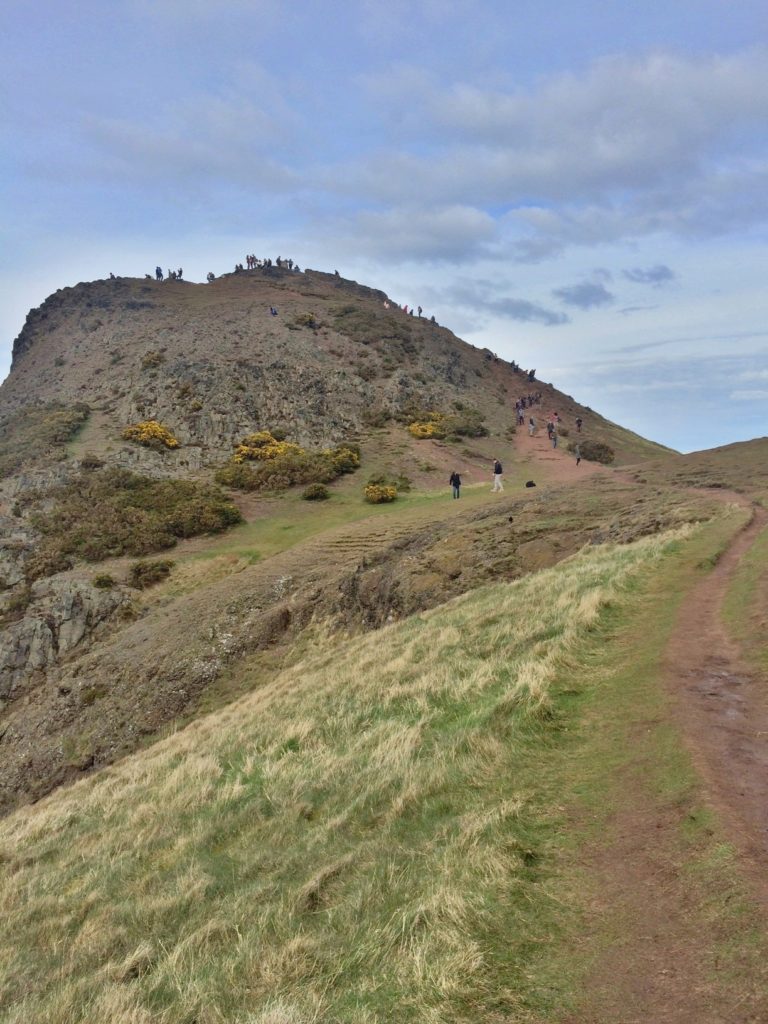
x,y
749,394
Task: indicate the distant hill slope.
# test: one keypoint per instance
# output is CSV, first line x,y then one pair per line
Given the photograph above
x,y
212,363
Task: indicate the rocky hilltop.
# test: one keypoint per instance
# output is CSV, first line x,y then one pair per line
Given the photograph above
x,y
212,363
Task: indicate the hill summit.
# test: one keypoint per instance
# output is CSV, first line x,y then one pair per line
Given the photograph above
x,y
321,358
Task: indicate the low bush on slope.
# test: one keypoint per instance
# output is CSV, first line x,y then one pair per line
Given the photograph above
x,y
37,432
359,842
115,512
281,464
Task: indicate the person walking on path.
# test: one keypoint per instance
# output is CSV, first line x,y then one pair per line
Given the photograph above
x,y
554,438
455,483
497,471
577,453
531,427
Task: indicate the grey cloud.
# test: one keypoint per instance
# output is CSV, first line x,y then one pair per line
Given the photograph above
x,y
478,296
585,295
628,310
628,148
452,234
527,312
655,276
624,123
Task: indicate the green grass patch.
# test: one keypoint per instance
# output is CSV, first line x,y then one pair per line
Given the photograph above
x,y
746,602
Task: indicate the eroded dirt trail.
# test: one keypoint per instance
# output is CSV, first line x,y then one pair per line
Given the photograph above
x,y
658,965
723,708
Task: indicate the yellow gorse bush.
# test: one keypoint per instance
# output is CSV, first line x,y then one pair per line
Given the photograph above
x,y
433,425
263,447
379,494
151,434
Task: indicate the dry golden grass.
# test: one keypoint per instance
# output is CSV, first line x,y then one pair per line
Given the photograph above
x,y
360,841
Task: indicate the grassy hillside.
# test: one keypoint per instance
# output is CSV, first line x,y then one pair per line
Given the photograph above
x,y
377,834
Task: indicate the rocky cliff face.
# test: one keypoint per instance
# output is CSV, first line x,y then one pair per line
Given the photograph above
x,y
60,616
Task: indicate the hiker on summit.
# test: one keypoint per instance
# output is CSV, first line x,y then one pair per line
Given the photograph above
x,y
179,274
455,482
497,471
158,273
210,277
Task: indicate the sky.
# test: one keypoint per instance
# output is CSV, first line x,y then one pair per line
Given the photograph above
x,y
581,186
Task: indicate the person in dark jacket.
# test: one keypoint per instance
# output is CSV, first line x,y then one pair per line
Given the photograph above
x,y
497,471
455,483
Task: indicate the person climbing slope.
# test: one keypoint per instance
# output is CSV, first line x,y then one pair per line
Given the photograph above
x,y
455,482
497,472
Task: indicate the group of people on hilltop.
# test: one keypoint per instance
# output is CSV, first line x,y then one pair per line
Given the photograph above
x,y
252,262
410,311
173,275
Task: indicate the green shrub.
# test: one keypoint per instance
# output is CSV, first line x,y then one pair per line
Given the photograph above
x,y
316,492
146,574
152,360
593,451
17,604
466,422
401,483
47,561
111,512
238,475
91,461
103,581
306,320
376,416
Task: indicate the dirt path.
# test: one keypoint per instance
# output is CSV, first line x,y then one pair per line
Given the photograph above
x,y
658,968
553,465
723,708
